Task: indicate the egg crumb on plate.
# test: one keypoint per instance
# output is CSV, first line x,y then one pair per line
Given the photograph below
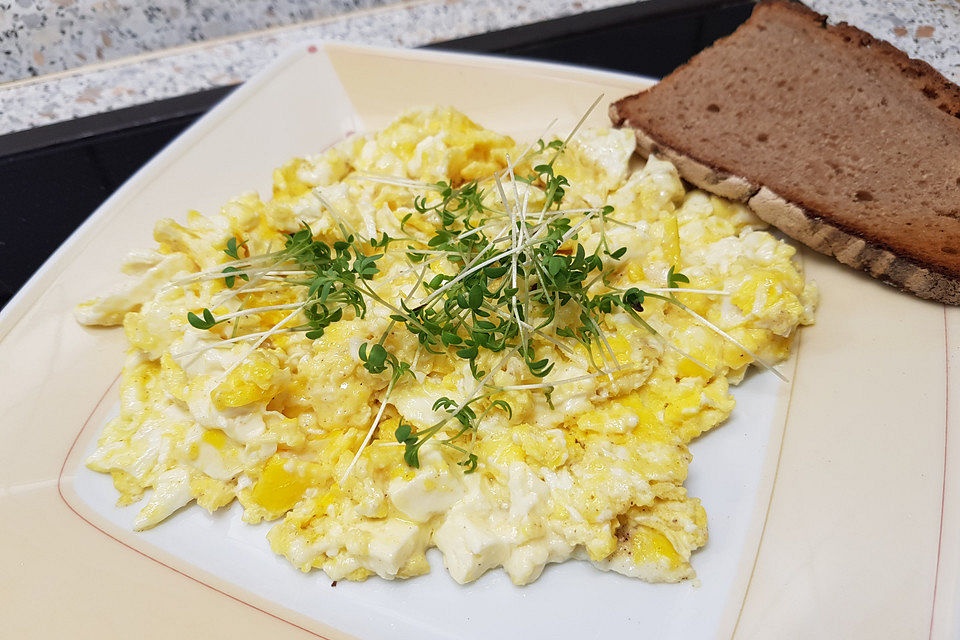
x,y
432,336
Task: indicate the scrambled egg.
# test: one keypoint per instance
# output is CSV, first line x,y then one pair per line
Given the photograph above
x,y
594,472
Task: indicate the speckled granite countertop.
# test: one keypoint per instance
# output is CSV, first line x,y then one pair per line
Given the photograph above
x,y
45,36
926,29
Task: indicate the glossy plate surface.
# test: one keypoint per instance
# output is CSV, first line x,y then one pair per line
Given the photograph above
x,y
834,501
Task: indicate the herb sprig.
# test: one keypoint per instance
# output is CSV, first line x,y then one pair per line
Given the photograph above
x,y
509,286
519,281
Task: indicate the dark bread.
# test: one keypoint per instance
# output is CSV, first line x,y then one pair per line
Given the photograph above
x,y
836,137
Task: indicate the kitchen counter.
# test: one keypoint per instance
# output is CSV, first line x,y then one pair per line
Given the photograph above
x,y
926,29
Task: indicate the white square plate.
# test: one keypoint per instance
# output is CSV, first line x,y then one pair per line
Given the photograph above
x,y
834,501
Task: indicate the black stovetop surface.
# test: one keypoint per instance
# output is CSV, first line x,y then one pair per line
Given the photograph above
x,y
53,177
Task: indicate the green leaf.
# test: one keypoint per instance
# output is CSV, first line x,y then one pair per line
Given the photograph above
x,y
476,297
633,298
411,456
449,338
443,403
619,253
233,249
554,265
207,321
470,463
230,280
468,353
378,354
375,357
503,404
493,271
675,277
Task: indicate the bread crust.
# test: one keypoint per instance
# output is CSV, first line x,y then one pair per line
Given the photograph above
x,y
851,250
789,212
805,226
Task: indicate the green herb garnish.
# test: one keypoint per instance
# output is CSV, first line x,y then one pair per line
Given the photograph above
x,y
514,276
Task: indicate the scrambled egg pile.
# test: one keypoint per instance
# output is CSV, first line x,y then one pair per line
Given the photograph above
x,y
594,472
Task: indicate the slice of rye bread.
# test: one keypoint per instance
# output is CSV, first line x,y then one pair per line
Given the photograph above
x,y
835,137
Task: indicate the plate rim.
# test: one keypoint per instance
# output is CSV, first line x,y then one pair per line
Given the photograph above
x,y
31,293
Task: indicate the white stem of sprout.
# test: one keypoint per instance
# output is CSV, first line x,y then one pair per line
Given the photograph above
x,y
562,212
620,222
247,287
761,362
573,230
430,252
467,234
370,432
392,180
715,292
272,278
526,276
522,238
576,128
266,334
557,383
563,147
340,219
416,357
217,275
226,341
471,268
520,158
482,383
416,285
515,240
218,270
253,310
415,267
513,229
603,339
659,338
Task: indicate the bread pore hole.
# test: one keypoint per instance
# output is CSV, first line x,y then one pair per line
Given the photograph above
x,y
862,196
713,108
950,250
762,137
